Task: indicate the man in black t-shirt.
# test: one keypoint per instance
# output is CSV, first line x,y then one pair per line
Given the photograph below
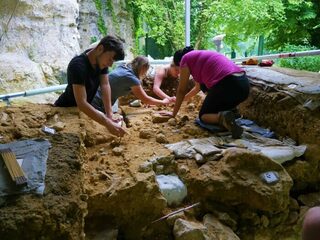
x,y
86,73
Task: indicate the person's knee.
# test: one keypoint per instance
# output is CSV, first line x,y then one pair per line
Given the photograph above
x,y
311,224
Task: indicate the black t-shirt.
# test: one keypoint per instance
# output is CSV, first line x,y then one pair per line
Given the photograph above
x,y
80,72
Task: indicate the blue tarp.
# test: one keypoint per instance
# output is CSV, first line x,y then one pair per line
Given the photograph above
x,y
249,126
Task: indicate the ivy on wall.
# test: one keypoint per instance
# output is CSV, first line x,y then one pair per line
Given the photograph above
x,y
101,23
115,21
137,25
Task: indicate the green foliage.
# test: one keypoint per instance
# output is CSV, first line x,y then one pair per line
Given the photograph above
x,y
138,31
311,63
161,19
113,15
101,24
239,20
93,39
301,25
280,21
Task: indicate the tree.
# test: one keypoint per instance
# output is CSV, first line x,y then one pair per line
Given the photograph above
x,y
163,20
239,20
280,21
301,25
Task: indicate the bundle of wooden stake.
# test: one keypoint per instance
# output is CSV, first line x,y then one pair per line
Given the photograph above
x,y
15,171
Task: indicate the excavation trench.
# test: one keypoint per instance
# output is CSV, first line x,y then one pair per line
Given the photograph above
x,y
272,105
102,187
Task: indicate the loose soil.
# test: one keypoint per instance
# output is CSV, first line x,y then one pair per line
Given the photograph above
x,y
97,191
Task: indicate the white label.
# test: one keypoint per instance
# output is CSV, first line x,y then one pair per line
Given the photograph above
x,y
270,177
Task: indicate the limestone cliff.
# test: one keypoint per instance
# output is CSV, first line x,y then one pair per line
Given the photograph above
x,y
38,38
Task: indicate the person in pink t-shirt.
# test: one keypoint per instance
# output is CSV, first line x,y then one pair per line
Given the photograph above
x,y
225,84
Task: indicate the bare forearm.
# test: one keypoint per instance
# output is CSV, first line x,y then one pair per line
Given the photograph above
x,y
151,101
179,100
106,98
94,114
106,94
192,93
160,93
102,119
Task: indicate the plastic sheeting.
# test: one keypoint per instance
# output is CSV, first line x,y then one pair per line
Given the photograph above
x,y
247,124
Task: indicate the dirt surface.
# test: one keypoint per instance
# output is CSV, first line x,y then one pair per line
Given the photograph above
x,y
82,165
59,213
136,150
94,183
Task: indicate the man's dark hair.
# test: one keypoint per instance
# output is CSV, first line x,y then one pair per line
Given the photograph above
x,y
180,53
111,43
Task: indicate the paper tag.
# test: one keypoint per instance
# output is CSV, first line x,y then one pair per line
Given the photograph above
x,y
20,161
48,130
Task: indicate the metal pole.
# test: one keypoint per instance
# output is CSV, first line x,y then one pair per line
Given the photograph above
x,y
260,45
187,22
45,90
152,62
8,96
281,55
146,45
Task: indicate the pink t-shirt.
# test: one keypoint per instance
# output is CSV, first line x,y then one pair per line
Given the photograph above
x,y
208,67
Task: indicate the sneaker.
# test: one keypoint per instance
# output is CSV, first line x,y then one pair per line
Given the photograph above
x,y
227,119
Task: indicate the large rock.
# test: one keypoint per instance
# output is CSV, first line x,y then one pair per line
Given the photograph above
x,y
236,180
279,100
19,72
189,230
216,230
305,171
43,35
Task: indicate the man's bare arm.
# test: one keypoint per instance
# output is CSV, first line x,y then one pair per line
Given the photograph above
x,y
106,94
81,100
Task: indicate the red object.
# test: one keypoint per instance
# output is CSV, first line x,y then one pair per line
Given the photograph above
x,y
266,63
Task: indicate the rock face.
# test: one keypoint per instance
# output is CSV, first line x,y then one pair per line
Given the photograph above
x,y
39,38
117,21
37,43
